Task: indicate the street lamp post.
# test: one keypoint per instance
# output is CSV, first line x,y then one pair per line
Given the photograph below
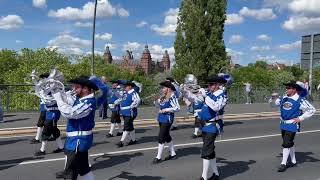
x,y
93,37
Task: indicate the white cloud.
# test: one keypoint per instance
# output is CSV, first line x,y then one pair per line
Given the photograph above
x,y
67,50
234,19
157,52
68,41
302,24
104,9
132,46
39,3
111,46
235,39
273,59
123,13
260,48
168,28
291,46
83,24
141,24
236,56
305,6
96,52
19,41
105,36
10,22
264,37
278,4
259,14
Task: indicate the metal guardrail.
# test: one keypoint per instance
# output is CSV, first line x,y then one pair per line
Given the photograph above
x,y
18,98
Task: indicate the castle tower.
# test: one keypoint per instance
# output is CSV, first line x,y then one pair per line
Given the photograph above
x,y
166,61
146,60
107,55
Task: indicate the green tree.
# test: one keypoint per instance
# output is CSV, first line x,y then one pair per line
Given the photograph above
x,y
8,63
199,45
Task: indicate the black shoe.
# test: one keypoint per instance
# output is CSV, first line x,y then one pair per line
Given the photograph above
x,y
282,168
171,157
132,142
34,141
290,165
201,178
63,175
194,136
119,133
51,139
120,144
214,177
156,161
174,128
58,150
40,153
109,135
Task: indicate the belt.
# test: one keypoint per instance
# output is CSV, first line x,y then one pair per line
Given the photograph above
x,y
125,107
52,108
287,121
78,133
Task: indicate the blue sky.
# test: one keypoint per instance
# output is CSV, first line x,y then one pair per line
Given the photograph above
x,y
267,30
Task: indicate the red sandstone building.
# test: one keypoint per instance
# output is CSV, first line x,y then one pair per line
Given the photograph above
x,y
145,63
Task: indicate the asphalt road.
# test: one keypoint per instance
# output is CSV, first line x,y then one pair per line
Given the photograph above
x,y
20,119
249,150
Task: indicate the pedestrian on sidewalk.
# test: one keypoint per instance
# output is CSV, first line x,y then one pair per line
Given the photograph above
x,y
103,111
214,102
168,105
294,109
248,89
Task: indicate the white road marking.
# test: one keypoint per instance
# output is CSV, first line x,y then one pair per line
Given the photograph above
x,y
153,148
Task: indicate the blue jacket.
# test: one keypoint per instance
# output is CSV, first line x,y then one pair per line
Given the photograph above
x,y
170,107
129,104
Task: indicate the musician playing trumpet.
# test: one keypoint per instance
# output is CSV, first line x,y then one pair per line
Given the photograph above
x,y
168,104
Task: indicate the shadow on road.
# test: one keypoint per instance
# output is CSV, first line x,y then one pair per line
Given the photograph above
x,y
15,120
231,168
6,164
9,115
229,123
6,142
106,161
184,152
128,175
147,139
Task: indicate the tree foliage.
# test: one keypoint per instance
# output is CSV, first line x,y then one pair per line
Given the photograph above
x,y
199,45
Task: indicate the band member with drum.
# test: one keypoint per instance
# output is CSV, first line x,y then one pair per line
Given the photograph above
x,y
168,106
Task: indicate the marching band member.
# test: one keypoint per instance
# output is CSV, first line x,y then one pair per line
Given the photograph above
x,y
214,102
128,110
115,109
168,106
178,95
80,113
42,117
196,96
294,109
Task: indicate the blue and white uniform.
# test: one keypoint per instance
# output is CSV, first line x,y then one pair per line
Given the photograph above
x,y
291,108
214,102
169,107
114,106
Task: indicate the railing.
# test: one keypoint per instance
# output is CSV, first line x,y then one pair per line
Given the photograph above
x,y
18,98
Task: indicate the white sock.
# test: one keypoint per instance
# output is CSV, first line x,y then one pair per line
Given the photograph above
x,y
119,127
59,143
205,168
171,149
124,136
133,135
196,131
88,176
293,155
65,161
213,164
43,146
174,124
285,152
112,127
160,150
39,132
